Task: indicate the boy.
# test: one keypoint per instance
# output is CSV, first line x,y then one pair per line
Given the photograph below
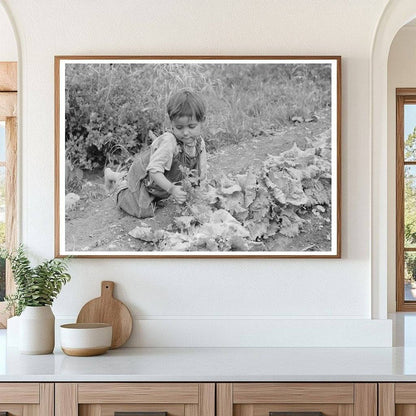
x,y
156,173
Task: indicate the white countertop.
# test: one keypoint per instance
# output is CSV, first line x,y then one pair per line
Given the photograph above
x,y
213,364
222,364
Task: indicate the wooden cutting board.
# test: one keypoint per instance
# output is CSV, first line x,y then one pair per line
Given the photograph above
x,y
107,309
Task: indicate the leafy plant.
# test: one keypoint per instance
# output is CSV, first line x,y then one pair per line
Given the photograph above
x,y
35,286
110,109
242,213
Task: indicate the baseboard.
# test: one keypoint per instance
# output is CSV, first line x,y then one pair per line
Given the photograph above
x,y
166,332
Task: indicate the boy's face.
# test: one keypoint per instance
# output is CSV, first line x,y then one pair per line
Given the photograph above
x,y
186,129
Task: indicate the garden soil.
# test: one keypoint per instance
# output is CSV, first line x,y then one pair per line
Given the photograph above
x,y
96,224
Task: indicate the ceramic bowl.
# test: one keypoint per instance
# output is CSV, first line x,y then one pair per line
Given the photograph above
x,y
83,340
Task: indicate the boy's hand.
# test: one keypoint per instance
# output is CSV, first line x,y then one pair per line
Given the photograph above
x,y
179,195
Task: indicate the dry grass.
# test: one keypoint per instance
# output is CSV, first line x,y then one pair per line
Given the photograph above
x,y
110,108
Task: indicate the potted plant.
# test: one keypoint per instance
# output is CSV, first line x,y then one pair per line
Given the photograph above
x,y
36,289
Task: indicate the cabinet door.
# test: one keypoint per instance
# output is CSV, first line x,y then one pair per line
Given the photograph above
x,y
297,399
144,399
27,399
397,399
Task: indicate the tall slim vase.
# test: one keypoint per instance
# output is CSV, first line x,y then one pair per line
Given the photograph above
x,y
37,330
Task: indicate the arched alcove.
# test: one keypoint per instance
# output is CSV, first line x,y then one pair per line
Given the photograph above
x,y
396,14
401,74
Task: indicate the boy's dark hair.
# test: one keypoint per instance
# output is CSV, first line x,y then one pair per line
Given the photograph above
x,y
186,103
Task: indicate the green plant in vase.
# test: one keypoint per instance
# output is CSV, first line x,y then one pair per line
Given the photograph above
x,y
36,289
35,286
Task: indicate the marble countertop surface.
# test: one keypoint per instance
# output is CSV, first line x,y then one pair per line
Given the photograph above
x,y
222,364
212,365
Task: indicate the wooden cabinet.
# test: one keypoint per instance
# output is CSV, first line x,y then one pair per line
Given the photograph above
x,y
27,399
106,399
297,399
397,399
208,399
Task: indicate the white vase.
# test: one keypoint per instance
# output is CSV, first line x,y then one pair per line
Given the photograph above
x,y
37,330
13,331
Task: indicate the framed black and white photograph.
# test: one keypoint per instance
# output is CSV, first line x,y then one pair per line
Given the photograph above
x,y
197,156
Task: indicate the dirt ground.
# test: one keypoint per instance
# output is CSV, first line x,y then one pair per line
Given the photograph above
x,y
96,224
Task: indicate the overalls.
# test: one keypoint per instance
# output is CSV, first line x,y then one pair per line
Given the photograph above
x,y
138,196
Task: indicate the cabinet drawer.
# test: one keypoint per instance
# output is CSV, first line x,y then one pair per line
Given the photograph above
x,y
138,393
296,399
19,393
21,399
107,399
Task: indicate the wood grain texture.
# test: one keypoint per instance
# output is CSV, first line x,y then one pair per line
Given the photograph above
x,y
171,409
386,399
405,410
27,393
59,58
66,399
107,309
198,57
13,409
11,196
47,399
339,158
224,399
8,76
264,409
405,91
246,410
207,399
405,393
84,352
345,410
365,399
8,105
3,315
57,158
191,410
31,410
90,410
293,393
403,96
400,304
138,393
11,206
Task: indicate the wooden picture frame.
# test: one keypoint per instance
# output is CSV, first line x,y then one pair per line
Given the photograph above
x,y
271,130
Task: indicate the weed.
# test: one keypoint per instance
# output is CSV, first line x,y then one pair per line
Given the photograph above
x,y
111,107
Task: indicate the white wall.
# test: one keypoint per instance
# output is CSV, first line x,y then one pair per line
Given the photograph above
x,y
8,47
401,74
179,302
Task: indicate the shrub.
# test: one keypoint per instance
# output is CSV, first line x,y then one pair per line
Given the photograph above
x,y
110,108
